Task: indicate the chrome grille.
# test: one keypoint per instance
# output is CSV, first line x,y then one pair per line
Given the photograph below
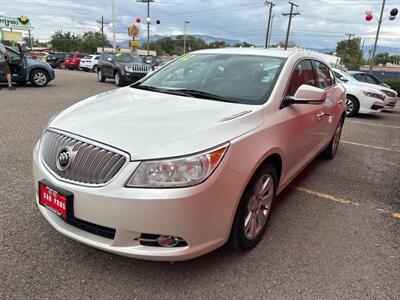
x,y
89,163
140,68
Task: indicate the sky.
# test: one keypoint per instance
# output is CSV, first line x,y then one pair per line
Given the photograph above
x,y
321,23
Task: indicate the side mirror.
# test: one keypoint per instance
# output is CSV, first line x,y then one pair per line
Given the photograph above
x,y
343,79
306,94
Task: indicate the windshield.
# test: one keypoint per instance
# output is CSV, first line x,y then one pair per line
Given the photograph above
x,y
245,79
127,58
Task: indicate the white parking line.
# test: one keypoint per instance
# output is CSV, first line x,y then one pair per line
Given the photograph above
x,y
373,124
370,146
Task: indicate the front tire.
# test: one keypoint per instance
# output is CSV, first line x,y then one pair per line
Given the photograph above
x,y
118,79
254,209
39,78
352,106
95,69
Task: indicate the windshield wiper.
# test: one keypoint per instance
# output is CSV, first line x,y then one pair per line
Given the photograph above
x,y
160,90
185,93
205,95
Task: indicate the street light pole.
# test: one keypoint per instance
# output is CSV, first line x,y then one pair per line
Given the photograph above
x,y
184,38
113,21
291,15
371,63
148,21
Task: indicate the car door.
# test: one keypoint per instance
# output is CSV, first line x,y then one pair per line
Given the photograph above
x,y
17,65
108,65
328,112
299,123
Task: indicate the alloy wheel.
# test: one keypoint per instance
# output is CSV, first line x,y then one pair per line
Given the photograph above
x,y
349,106
40,78
117,79
336,138
259,206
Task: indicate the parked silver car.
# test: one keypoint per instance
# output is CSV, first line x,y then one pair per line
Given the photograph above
x,y
191,156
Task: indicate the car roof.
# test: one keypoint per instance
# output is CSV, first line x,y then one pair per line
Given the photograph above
x,y
356,72
275,52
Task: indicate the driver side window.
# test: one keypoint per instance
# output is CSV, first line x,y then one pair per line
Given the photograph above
x,y
302,74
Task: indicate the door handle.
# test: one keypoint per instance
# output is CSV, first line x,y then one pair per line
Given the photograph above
x,y
321,114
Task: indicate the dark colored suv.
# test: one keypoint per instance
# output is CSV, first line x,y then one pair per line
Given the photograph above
x,y
56,60
123,67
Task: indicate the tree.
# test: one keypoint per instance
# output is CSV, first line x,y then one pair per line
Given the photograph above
x,y
91,40
244,45
384,58
65,42
350,53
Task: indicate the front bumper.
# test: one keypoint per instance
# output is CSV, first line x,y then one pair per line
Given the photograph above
x,y
371,105
390,103
201,215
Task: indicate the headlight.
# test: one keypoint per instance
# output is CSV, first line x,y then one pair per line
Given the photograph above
x,y
180,172
128,68
388,93
374,95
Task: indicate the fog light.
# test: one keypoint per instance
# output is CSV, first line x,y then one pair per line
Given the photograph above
x,y
168,241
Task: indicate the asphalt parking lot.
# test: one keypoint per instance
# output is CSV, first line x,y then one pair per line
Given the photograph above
x,y
335,233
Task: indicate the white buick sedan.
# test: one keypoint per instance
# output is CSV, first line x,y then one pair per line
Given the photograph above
x,y
192,156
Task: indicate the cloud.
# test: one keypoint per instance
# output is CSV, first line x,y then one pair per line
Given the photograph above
x,y
321,22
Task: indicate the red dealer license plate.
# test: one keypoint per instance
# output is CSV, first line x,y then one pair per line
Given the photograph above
x,y
55,199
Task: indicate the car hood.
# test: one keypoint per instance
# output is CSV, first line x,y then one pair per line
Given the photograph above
x,y
33,62
151,125
358,88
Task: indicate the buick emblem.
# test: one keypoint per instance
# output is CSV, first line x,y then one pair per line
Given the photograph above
x,y
63,159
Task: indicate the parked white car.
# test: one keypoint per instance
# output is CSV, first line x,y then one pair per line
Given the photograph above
x,y
89,63
189,157
372,81
360,98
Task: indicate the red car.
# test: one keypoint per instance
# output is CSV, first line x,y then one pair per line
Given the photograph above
x,y
72,60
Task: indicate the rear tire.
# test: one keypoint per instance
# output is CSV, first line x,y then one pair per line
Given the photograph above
x,y
352,106
254,209
62,65
331,149
95,69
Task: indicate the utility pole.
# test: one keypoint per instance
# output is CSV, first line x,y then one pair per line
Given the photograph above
x,y
184,38
350,35
30,40
102,23
148,21
371,63
113,21
270,31
269,27
291,15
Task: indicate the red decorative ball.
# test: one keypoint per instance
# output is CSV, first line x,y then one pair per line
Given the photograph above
x,y
368,18
138,20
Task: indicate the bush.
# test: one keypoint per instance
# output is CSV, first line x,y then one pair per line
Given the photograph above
x,y
394,84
